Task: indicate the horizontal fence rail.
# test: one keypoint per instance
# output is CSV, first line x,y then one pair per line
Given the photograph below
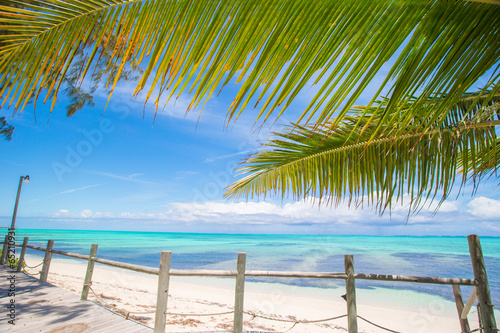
x,y
278,274
417,279
487,319
131,267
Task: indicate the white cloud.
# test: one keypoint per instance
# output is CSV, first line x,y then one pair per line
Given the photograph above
x,y
62,213
449,206
429,206
304,213
485,208
140,216
86,213
309,211
491,226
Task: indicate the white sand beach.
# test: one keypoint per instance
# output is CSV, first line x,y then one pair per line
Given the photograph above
x,y
134,293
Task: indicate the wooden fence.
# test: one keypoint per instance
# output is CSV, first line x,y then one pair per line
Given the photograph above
x,y
480,282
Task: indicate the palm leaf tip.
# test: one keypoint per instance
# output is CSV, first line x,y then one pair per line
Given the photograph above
x,y
6,130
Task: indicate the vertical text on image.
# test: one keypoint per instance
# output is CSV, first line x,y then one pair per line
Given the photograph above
x,y
11,279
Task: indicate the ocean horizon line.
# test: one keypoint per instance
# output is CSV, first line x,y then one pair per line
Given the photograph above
x,y
243,234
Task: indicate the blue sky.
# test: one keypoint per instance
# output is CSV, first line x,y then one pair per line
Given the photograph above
x,y
118,170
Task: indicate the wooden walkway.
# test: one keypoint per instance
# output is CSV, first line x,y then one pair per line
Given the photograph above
x,y
48,309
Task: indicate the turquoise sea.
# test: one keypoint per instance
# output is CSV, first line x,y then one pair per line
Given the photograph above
x,y
420,256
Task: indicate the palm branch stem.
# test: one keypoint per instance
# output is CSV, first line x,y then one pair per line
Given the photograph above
x,y
393,138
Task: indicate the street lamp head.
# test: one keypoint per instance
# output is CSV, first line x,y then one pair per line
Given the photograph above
x,y
27,179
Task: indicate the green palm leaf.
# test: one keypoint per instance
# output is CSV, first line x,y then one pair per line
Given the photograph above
x,y
275,48
5,129
486,164
315,161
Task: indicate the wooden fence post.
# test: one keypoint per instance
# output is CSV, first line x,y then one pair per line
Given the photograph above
x,y
23,253
46,262
239,293
162,295
5,250
352,313
464,322
88,276
488,322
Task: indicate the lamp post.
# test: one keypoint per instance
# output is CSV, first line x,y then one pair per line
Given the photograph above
x,y
26,179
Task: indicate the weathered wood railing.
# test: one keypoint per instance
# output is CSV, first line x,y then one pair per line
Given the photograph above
x,y
480,281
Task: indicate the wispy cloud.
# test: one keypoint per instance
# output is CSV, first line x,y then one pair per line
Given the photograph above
x,y
14,163
135,175
79,189
221,157
129,178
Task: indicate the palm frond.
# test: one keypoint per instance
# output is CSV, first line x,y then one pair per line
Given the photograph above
x,y
5,129
310,160
275,48
486,164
